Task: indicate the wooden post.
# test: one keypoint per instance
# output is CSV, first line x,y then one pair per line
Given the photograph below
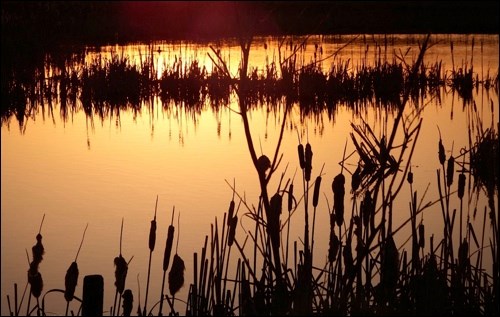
x,y
93,295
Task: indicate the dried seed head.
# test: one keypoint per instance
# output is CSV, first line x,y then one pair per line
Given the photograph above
x,y
461,185
421,235
168,247
338,198
152,235
442,156
35,280
333,246
390,264
273,220
120,273
176,275
230,212
317,185
410,177
308,161
356,179
450,170
290,197
70,281
232,230
367,208
38,250
348,260
302,161
463,254
128,300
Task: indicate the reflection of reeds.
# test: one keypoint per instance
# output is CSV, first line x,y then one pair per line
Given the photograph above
x,y
106,86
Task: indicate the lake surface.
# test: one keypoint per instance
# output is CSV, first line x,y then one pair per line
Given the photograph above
x,y
78,169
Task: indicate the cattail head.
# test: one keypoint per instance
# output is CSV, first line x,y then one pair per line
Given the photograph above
x,y
356,179
70,281
176,275
421,235
120,273
308,161
338,198
317,185
168,247
274,219
463,254
232,230
441,154
348,259
461,185
390,264
152,235
409,178
334,241
302,160
128,300
230,212
450,170
367,208
38,249
290,197
35,280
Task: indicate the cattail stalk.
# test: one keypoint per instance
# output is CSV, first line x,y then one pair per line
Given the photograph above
x,y
166,258
152,242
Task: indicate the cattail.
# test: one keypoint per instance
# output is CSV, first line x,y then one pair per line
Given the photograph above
x,y
450,170
356,179
302,161
390,264
308,161
152,235
367,208
128,300
230,212
442,156
290,197
120,273
232,230
338,198
70,281
35,279
274,218
348,259
71,278
334,241
421,235
461,185
463,254
409,178
176,275
317,185
168,247
38,249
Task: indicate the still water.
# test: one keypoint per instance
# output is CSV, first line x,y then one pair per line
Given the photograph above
x,y
84,170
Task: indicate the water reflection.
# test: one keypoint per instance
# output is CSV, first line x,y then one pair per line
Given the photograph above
x,y
134,159
190,76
